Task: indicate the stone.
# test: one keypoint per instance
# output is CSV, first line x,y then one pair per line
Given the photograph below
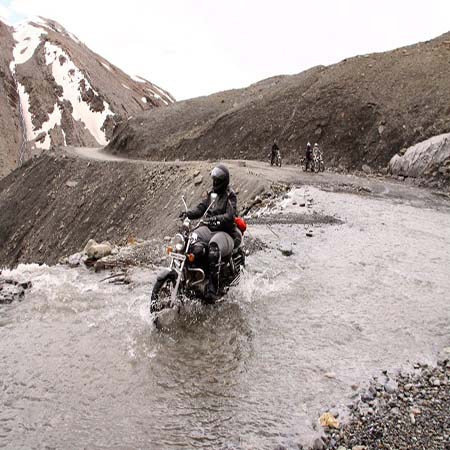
x,y
97,251
359,447
286,251
329,375
71,183
318,444
390,386
198,180
366,169
75,259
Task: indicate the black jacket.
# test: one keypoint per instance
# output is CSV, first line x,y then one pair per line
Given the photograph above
x,y
275,148
223,211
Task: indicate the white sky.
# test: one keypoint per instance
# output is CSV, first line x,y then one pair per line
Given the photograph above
x,y
196,47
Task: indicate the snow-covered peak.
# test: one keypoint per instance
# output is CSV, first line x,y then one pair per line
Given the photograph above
x,y
68,94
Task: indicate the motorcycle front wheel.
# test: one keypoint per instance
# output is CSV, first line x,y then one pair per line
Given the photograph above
x,y
162,292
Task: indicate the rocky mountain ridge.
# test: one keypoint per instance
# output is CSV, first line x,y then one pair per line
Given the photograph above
x,y
362,111
54,91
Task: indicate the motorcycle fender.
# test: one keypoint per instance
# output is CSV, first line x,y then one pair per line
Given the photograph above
x,y
167,273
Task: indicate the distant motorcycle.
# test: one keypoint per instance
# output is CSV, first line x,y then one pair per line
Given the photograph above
x,y
305,164
276,159
186,278
318,165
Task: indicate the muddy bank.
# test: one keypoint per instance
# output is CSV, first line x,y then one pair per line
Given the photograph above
x,y
53,205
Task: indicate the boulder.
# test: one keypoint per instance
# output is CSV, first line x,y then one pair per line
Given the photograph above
x,y
97,251
366,169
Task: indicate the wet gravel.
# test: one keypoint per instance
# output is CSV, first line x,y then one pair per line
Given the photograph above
x,y
410,411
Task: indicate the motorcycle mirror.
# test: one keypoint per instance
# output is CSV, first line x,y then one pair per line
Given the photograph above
x,y
183,198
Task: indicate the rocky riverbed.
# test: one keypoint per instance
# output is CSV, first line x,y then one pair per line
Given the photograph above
x,y
402,412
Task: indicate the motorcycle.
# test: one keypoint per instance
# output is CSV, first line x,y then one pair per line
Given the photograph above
x,y
276,159
318,165
185,277
306,164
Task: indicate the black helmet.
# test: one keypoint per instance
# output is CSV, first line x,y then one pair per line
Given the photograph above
x,y
221,178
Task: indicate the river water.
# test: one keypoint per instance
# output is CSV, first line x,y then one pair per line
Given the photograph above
x,y
82,367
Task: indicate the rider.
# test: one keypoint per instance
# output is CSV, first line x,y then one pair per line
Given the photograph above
x,y
218,226
317,153
309,156
275,150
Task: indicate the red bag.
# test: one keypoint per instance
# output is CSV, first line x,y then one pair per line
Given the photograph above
x,y
241,224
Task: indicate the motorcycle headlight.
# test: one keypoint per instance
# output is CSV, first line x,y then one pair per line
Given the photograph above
x,y
178,243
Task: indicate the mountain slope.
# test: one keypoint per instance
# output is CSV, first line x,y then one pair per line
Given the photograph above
x,y
10,131
68,94
361,110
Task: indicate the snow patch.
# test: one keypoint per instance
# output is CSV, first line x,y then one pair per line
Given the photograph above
x,y
74,37
163,94
106,66
126,87
54,119
25,102
138,79
69,77
144,100
28,37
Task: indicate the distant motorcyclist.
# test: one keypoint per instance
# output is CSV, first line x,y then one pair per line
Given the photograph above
x,y
215,235
317,153
309,156
274,152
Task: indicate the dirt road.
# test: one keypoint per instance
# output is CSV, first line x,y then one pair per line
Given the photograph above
x,y
293,174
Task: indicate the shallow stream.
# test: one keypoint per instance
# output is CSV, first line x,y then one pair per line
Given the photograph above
x,y
81,365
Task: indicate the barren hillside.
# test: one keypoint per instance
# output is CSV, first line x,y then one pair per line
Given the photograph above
x,y
361,111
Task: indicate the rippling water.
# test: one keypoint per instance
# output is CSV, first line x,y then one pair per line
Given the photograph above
x,y
81,366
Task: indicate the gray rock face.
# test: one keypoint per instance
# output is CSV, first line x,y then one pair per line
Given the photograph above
x,y
54,91
430,158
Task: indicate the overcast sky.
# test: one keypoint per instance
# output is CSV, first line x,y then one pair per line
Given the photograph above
x,y
196,47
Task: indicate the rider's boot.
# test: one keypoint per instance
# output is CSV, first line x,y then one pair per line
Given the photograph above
x,y
213,274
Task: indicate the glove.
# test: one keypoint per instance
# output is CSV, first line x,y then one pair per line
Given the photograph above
x,y
212,223
182,215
